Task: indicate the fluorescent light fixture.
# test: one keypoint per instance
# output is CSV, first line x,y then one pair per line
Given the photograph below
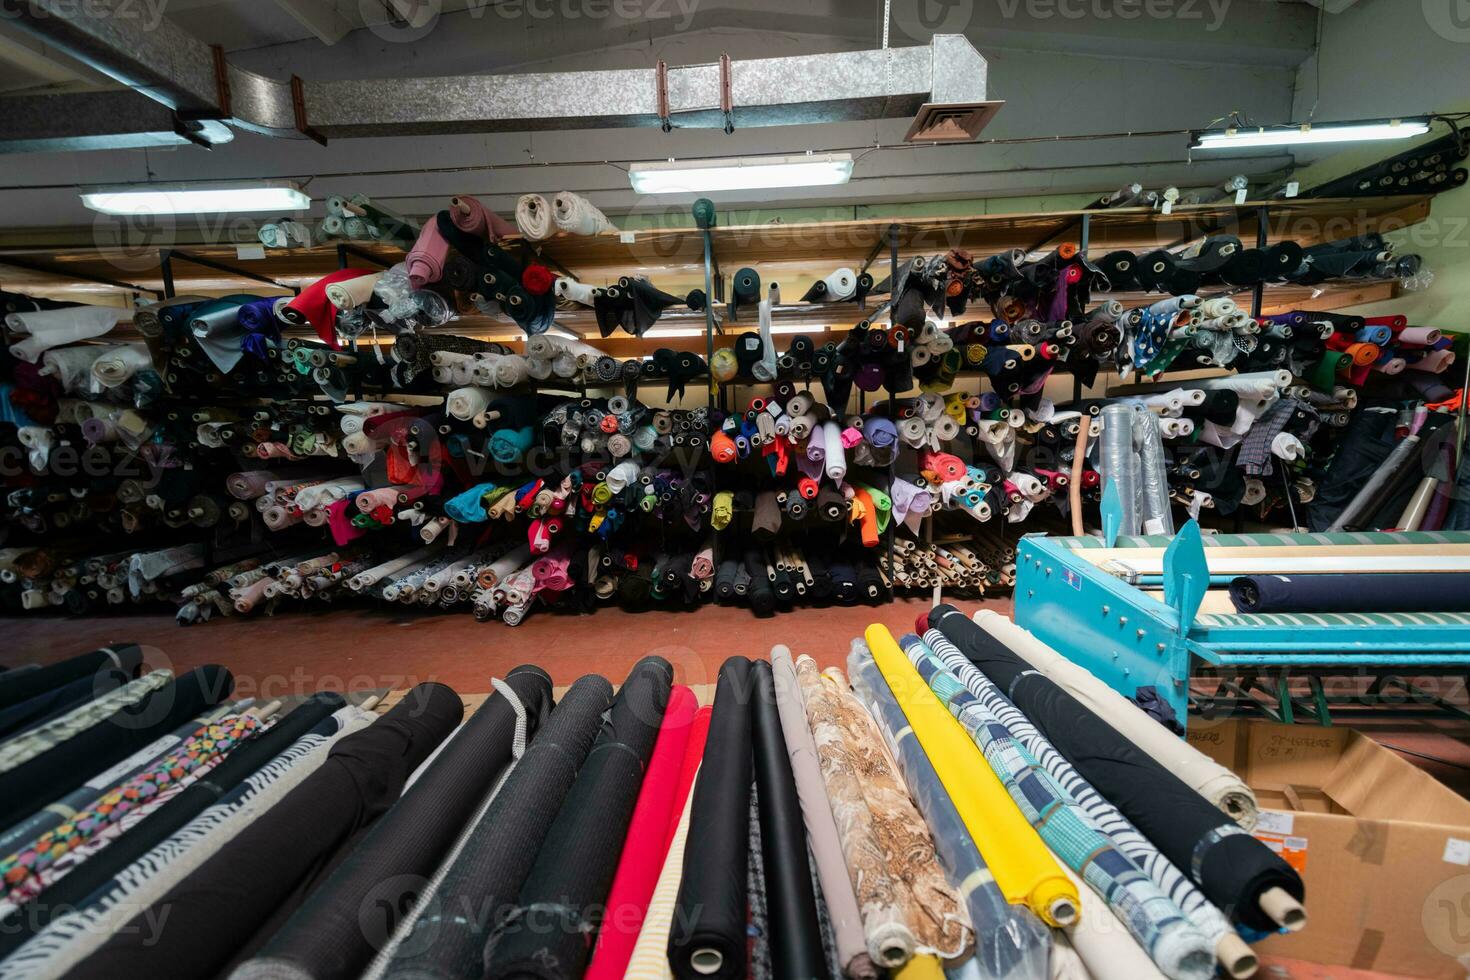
x,y
1244,137
230,196
741,173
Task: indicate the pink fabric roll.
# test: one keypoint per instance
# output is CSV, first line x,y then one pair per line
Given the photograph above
x,y
943,465
647,843
480,220
425,261
371,500
1418,336
340,522
551,572
851,437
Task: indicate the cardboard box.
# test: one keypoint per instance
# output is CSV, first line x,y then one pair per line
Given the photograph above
x,y
1383,847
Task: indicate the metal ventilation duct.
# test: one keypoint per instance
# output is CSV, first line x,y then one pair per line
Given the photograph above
x,y
179,71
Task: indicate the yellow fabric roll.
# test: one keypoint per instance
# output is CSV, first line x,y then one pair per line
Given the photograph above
x,y
1024,868
920,968
651,953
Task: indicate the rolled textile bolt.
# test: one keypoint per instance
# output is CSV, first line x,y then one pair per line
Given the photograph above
x,y
264,711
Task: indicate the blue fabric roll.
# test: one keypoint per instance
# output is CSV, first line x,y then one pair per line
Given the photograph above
x,y
509,445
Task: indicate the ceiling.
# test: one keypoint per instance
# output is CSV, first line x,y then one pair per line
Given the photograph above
x,y
1072,68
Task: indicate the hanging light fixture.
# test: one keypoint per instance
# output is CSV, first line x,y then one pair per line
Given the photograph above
x,y
741,173
198,198
1246,137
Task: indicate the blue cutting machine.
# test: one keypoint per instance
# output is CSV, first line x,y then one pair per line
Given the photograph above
x,y
1134,629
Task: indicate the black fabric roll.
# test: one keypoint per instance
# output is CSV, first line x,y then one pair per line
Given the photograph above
x,y
22,685
707,939
50,704
331,936
550,933
1218,407
276,859
100,868
1356,592
762,596
447,940
745,290
1231,867
796,938
61,769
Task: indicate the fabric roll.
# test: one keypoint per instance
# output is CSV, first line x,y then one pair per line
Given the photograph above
x,y
58,701
549,932
1150,916
352,293
1207,777
76,887
447,939
796,940
326,937
534,217
1356,592
576,215
424,263
1010,941
69,939
1100,940
52,328
816,811
17,686
1209,920
707,938
1231,868
117,365
64,765
650,959
642,859
1023,867
276,860
472,217
907,905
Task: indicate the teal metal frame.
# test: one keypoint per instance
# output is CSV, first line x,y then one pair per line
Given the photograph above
x,y
1130,639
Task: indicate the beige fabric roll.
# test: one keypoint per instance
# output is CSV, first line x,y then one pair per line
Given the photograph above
x,y
651,952
350,293
907,905
1211,780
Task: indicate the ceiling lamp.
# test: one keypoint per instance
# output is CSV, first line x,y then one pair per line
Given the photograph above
x,y
741,173
198,198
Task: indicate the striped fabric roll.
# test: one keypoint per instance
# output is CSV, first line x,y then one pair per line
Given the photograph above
x,y
650,955
1171,881
1171,940
28,745
72,938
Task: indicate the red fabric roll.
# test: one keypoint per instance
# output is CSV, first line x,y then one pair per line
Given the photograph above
x,y
808,488
318,311
693,754
943,465
1395,322
647,842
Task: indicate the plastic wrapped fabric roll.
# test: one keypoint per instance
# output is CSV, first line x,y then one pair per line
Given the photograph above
x,y
274,861
654,820
1153,485
1148,893
52,328
1024,869
1010,941
325,938
707,938
816,809
447,939
575,215
1207,777
534,217
1231,868
1367,499
650,959
465,403
1119,464
796,942
544,934
17,686
907,905
61,766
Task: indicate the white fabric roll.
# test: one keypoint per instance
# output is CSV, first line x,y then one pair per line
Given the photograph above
x,y
117,365
572,291
621,475
1211,780
576,215
1103,943
465,403
510,371
326,492
538,368
1287,446
350,293
836,462
765,369
533,217
368,409
841,284
52,328
72,366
